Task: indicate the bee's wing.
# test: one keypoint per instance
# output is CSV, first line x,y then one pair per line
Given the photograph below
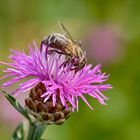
x,y
66,31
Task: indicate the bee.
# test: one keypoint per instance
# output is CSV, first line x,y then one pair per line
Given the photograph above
x,y
64,44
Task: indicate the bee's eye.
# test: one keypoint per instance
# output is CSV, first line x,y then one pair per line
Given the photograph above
x,y
83,63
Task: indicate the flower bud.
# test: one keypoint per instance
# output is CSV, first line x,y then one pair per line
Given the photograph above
x,y
46,111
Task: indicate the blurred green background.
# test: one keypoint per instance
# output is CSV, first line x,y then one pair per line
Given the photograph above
x,y
114,25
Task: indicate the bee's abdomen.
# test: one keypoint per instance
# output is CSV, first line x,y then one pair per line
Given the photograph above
x,y
56,39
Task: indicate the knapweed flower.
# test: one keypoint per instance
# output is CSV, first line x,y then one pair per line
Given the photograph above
x,y
105,43
59,82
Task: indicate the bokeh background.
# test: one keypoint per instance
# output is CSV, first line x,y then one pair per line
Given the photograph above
x,y
110,32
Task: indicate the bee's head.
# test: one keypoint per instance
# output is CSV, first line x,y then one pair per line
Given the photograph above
x,y
82,63
79,63
82,60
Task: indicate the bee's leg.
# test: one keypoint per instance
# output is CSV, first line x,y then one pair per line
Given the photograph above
x,y
75,65
55,51
43,46
65,63
75,69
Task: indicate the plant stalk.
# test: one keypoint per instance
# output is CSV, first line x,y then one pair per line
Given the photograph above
x,y
36,130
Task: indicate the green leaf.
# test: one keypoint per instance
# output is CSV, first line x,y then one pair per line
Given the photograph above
x,y
17,106
18,133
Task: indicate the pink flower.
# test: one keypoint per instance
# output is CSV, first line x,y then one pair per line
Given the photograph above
x,y
105,44
38,66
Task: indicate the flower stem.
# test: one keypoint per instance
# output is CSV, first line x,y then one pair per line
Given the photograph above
x,y
36,130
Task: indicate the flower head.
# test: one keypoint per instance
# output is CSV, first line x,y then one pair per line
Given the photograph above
x,y
105,43
59,80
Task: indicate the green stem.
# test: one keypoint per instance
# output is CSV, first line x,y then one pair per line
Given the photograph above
x,y
36,130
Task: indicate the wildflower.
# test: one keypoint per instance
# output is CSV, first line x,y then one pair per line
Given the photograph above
x,y
105,42
58,83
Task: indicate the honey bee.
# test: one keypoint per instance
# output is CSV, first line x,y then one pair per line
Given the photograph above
x,y
64,44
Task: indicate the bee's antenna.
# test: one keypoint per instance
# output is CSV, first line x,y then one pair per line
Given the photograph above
x,y
66,31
